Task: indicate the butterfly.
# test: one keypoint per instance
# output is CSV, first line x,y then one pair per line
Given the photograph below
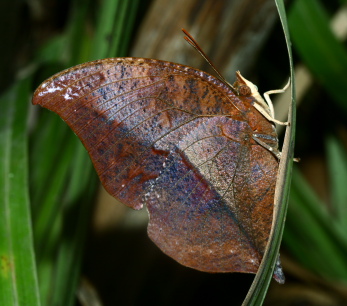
x,y
201,154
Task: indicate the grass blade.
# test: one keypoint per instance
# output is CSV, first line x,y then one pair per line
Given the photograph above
x,y
104,29
317,46
337,166
18,279
312,224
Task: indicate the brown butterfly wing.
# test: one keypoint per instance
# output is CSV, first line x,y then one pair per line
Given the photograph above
x,y
208,185
178,140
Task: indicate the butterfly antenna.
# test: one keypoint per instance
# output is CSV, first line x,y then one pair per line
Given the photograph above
x,y
196,46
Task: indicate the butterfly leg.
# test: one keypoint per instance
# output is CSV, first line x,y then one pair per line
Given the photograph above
x,y
271,116
273,150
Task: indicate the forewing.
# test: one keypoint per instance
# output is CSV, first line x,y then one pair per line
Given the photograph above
x,y
121,107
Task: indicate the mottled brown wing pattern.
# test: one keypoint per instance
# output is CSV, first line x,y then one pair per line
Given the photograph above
x,y
180,141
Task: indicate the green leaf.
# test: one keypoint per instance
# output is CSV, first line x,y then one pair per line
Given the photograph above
x,y
18,279
258,290
324,55
78,42
49,209
310,223
113,32
337,166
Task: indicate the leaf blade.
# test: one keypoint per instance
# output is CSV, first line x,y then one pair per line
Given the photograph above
x,y
18,279
310,30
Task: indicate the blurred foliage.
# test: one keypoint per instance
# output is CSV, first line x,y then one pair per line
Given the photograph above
x,y
48,36
311,222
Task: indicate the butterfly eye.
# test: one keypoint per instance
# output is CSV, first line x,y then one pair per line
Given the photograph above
x,y
244,90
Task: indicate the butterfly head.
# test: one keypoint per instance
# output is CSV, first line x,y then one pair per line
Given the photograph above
x,y
243,87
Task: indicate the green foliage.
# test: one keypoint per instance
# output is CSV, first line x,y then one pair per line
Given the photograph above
x,y
321,51
18,278
310,221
